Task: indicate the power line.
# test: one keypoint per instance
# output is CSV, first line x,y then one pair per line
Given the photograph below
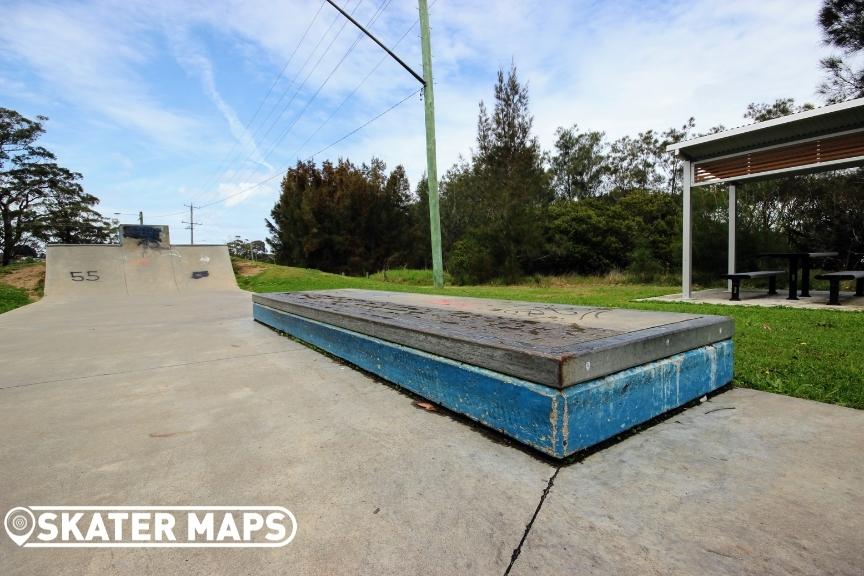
x,y
335,142
375,16
378,13
381,44
285,133
349,134
191,223
167,215
288,90
356,88
228,157
285,67
308,75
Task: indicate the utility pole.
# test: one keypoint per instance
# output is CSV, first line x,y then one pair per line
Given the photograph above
x,y
431,156
429,103
191,223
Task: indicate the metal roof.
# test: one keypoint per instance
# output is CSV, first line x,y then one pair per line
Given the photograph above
x,y
822,121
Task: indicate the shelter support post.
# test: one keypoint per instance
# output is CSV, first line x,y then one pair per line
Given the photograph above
x,y
733,221
687,243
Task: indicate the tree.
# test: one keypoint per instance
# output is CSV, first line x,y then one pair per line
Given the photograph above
x,y
760,112
668,163
237,248
253,250
394,220
842,23
421,239
342,218
588,237
502,193
257,248
68,216
633,162
579,163
288,223
39,200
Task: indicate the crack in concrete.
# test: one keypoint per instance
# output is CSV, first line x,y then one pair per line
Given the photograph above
x,y
518,549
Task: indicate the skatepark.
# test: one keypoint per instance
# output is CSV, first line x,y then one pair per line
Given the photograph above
x,y
154,385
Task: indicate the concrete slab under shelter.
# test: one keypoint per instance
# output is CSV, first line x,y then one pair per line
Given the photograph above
x,y
817,301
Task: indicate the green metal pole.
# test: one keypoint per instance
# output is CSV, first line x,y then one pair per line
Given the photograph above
x,y
431,160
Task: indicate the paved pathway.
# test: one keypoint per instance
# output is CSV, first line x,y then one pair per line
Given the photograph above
x,y
181,401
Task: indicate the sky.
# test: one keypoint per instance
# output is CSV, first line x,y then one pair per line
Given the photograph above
x,y
161,104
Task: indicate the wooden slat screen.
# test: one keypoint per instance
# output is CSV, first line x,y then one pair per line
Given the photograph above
x,y
804,154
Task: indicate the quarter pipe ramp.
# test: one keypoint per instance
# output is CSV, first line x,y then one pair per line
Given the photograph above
x,y
145,262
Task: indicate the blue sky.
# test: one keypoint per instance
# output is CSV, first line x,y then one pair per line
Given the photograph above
x,y
153,102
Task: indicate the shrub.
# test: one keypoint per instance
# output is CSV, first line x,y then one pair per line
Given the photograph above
x,y
644,267
471,262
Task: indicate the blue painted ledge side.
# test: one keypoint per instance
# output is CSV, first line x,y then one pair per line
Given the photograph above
x,y
512,406
555,422
602,408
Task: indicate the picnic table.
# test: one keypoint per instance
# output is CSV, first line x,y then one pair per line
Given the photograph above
x,y
804,259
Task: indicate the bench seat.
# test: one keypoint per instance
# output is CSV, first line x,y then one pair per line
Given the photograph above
x,y
834,279
737,277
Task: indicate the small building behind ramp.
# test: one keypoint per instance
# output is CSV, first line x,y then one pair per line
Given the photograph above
x,y
144,262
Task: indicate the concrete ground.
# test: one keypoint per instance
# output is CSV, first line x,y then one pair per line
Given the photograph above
x,y
818,299
186,401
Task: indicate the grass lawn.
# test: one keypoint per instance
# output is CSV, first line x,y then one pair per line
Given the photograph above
x,y
11,297
815,354
20,284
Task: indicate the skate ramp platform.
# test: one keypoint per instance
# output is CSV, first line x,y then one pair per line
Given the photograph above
x,y
144,263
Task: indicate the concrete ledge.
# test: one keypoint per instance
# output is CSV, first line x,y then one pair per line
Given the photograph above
x,y
556,422
557,345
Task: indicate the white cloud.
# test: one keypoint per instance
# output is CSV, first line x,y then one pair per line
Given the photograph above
x,y
235,193
191,57
90,57
621,66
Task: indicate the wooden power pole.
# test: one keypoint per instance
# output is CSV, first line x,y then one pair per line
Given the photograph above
x,y
191,223
431,156
429,103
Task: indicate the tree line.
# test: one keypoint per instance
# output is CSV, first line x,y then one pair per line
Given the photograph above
x,y
588,206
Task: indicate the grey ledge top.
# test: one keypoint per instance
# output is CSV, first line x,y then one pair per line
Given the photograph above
x,y
555,345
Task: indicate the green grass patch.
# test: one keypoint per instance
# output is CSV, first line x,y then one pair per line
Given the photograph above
x,y
11,297
21,283
408,276
814,354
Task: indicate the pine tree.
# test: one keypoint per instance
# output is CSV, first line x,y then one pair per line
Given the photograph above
x,y
504,193
842,23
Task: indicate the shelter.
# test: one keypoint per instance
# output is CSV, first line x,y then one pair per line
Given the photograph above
x,y
827,138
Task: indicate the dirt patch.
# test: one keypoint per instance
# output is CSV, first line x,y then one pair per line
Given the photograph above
x,y
243,268
30,278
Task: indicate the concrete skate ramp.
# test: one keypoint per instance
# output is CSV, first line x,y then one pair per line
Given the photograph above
x,y
202,268
147,270
83,271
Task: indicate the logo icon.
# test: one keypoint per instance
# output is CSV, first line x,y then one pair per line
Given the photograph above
x,y
19,523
